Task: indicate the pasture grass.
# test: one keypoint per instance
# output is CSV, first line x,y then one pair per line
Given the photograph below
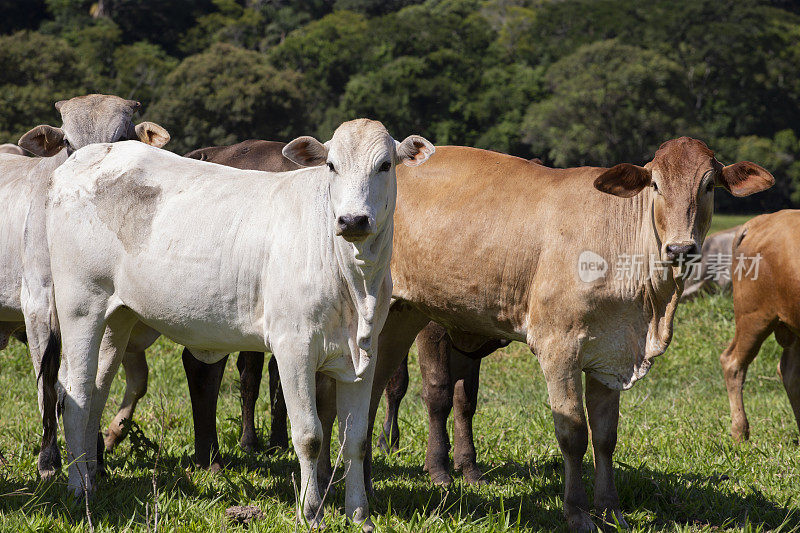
x,y
721,222
676,466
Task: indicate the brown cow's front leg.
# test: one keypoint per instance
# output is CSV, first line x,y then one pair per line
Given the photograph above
x,y
251,367
565,390
433,347
204,381
789,370
396,389
602,406
396,338
278,433
465,399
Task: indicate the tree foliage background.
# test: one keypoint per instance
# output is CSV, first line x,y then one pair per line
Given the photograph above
x,y
573,82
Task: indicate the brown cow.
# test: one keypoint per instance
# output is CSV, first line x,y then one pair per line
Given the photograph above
x,y
554,274
766,299
450,375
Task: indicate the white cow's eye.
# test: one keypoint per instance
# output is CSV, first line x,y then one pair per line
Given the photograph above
x,y
331,167
385,166
655,187
710,186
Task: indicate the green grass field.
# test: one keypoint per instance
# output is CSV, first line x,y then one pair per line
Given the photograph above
x,y
720,222
676,466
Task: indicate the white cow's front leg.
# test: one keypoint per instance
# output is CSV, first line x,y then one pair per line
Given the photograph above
x,y
352,401
299,389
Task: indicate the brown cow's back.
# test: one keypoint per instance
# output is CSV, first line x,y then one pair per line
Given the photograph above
x,y
252,154
775,292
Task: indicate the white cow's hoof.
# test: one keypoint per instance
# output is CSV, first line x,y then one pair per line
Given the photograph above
x,y
367,526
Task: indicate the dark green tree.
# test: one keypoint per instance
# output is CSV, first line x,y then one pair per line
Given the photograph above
x,y
610,103
37,71
226,95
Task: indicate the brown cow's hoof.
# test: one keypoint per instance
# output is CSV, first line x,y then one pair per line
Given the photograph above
x,y
249,444
613,519
740,435
578,521
112,439
474,476
387,448
441,478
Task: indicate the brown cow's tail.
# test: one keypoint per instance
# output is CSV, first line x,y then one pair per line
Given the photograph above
x,y
738,238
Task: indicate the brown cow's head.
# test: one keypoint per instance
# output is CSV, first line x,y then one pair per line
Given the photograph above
x,y
683,175
90,119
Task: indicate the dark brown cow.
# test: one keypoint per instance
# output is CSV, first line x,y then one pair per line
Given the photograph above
x,y
766,300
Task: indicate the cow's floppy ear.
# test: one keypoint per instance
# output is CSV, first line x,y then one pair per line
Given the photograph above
x,y
414,150
152,134
59,104
624,180
44,141
306,151
744,178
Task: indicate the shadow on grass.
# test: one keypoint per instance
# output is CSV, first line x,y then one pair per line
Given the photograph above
x,y
659,499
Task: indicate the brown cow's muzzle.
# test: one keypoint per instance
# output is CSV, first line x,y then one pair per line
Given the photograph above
x,y
680,252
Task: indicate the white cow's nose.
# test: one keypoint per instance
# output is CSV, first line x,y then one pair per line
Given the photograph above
x,y
353,227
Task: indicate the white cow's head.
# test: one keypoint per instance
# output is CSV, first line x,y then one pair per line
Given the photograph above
x,y
360,158
90,119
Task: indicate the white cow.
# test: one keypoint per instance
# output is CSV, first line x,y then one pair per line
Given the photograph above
x,y
222,260
25,289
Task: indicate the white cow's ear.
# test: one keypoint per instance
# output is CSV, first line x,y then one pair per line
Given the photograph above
x,y
623,180
744,178
152,134
306,151
414,150
44,141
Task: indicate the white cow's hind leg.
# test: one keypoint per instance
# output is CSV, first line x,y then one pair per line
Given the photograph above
x,y
82,327
112,349
352,400
299,389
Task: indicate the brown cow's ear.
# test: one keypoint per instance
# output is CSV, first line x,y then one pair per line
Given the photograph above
x,y
744,178
152,134
59,104
306,151
624,180
414,150
44,141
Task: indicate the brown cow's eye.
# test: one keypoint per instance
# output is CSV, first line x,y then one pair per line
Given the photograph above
x,y
331,167
385,166
710,186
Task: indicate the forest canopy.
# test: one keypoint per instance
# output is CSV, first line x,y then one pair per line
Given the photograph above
x,y
573,82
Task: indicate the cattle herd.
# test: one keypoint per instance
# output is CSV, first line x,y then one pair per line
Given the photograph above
x,y
336,256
